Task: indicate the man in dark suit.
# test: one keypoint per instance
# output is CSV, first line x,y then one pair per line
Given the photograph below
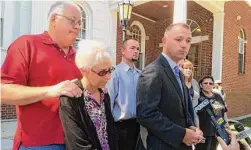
x,y
162,98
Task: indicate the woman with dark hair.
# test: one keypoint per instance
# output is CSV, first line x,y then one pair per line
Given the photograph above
x,y
206,86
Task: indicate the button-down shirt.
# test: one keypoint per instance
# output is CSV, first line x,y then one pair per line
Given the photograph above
x,y
37,61
97,114
122,90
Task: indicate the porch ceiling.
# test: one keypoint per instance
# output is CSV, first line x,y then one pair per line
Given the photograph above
x,y
213,6
154,10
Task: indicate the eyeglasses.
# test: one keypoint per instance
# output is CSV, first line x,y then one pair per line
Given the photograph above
x,y
73,21
210,83
104,72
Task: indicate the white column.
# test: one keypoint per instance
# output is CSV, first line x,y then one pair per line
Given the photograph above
x,y
180,11
39,20
9,21
113,31
25,17
1,8
218,32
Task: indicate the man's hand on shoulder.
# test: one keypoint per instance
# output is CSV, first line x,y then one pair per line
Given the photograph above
x,y
68,88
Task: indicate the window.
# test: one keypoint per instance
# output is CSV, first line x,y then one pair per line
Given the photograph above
x,y
195,28
194,52
241,51
82,33
194,57
136,34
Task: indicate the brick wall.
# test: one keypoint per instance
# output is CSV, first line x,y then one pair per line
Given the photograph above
x,y
119,41
8,112
237,86
160,27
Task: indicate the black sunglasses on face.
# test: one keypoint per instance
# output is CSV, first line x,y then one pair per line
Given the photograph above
x,y
104,72
210,83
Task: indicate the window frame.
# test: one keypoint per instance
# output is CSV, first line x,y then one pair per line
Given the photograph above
x,y
197,47
84,7
241,51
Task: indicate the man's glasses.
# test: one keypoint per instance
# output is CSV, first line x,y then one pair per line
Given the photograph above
x,y
104,72
73,21
210,83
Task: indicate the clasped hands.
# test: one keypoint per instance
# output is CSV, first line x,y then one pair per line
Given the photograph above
x,y
193,136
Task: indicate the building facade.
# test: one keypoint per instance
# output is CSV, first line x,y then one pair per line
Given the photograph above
x,y
220,29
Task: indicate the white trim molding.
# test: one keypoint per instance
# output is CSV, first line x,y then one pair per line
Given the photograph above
x,y
248,2
143,17
198,39
195,39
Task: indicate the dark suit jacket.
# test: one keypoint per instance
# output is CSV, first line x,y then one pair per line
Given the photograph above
x,y
80,132
161,108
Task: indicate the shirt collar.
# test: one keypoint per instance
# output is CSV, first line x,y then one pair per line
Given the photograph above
x,y
48,40
170,61
126,67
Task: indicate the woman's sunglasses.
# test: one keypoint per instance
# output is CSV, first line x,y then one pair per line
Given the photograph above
x,y
104,72
210,83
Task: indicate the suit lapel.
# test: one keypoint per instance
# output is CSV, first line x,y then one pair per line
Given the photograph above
x,y
168,70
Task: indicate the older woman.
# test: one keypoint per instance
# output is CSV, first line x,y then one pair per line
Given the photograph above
x,y
209,131
187,69
87,121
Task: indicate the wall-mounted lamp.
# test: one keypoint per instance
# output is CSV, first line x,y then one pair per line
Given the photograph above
x,y
125,12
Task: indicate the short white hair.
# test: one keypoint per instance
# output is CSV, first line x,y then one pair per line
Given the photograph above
x,y
58,8
91,53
